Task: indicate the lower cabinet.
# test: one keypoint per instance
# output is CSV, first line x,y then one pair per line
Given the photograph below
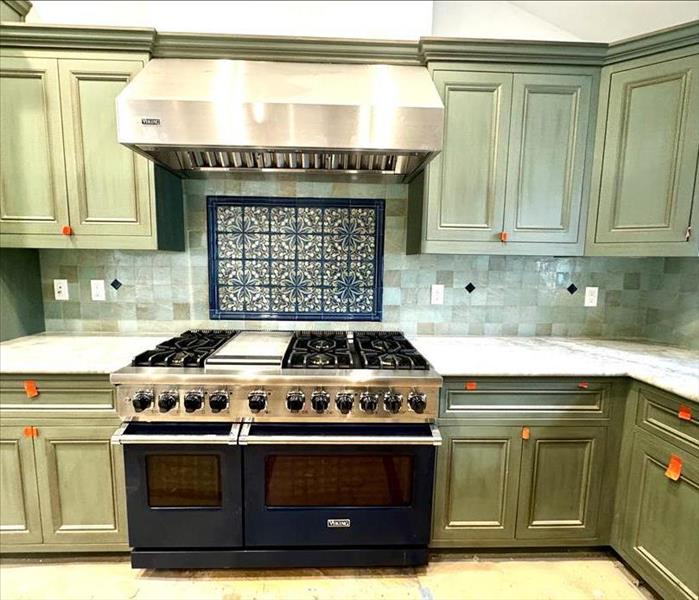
x,y
660,534
62,486
538,485
20,519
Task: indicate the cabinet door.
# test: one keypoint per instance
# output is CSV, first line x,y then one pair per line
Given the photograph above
x,y
20,521
466,182
650,153
81,482
476,485
562,472
661,529
548,141
108,184
32,169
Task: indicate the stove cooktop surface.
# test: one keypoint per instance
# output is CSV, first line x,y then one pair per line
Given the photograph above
x,y
189,349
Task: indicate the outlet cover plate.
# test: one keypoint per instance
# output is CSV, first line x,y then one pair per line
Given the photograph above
x,y
591,294
60,289
97,289
437,293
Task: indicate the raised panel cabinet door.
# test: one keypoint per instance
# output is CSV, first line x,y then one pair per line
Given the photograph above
x,y
20,520
81,482
561,478
32,170
650,153
548,142
466,182
108,184
476,485
660,536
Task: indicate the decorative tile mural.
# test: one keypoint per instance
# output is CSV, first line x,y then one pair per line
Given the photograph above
x,y
295,258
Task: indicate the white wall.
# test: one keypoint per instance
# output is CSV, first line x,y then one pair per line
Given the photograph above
x,y
398,19
381,19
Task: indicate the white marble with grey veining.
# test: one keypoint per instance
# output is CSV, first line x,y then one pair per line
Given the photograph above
x,y
667,367
670,368
94,354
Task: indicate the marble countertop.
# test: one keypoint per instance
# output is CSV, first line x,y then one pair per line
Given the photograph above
x,y
667,367
673,369
94,354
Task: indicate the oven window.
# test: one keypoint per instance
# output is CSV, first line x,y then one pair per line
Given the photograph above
x,y
338,480
188,480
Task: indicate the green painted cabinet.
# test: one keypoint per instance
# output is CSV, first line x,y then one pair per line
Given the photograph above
x,y
646,158
20,519
66,168
660,534
478,476
511,176
560,484
81,485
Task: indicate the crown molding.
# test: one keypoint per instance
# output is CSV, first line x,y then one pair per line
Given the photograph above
x,y
20,7
68,37
672,38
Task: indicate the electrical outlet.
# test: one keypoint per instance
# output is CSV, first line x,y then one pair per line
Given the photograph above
x,y
437,294
60,289
591,294
97,289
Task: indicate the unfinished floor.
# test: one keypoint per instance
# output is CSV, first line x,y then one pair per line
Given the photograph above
x,y
595,577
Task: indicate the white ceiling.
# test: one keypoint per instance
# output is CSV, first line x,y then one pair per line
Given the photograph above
x,y
406,20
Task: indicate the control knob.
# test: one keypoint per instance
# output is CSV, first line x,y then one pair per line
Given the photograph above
x,y
142,400
257,400
369,402
417,401
218,401
193,400
344,402
320,401
392,401
295,401
167,401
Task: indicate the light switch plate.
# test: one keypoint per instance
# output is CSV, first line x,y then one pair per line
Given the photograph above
x,y
97,289
60,289
591,294
437,294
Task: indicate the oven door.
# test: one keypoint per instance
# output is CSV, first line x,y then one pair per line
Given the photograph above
x,y
183,484
338,484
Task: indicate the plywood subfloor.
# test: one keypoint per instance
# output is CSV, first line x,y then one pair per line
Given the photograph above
x,y
459,577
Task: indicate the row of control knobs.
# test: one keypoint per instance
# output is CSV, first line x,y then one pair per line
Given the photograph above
x,y
193,401
295,401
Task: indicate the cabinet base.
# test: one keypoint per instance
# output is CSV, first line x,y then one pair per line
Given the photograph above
x,y
227,558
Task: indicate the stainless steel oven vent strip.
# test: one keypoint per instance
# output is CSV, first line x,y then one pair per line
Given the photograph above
x,y
434,439
385,163
121,437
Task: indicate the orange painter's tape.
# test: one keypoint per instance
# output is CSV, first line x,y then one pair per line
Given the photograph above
x,y
684,413
30,388
674,468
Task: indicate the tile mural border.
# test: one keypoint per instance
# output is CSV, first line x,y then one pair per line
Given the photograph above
x,y
217,312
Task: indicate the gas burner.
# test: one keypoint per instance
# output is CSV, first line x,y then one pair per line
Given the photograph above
x,y
189,349
319,350
387,350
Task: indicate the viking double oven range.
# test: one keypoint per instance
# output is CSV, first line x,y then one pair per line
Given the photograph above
x,y
278,449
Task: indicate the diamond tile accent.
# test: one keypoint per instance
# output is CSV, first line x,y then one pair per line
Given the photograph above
x,y
470,287
295,258
572,288
116,284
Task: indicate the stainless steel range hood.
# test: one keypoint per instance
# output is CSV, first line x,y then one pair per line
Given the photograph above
x,y
236,115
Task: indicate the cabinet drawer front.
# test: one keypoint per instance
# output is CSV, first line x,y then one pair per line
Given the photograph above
x,y
57,396
489,399
658,413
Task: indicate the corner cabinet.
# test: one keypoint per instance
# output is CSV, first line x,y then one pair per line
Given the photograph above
x,y
511,176
66,181
645,180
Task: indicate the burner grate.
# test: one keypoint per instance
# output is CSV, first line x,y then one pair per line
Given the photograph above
x,y
189,349
387,350
319,350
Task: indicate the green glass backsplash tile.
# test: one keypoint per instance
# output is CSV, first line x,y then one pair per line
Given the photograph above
x,y
652,298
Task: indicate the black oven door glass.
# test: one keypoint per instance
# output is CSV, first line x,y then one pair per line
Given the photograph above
x,y
293,480
186,480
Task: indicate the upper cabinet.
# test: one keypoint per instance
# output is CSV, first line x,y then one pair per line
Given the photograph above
x,y
645,176
65,180
511,176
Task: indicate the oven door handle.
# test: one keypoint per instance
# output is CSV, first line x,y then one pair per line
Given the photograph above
x,y
120,437
434,439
